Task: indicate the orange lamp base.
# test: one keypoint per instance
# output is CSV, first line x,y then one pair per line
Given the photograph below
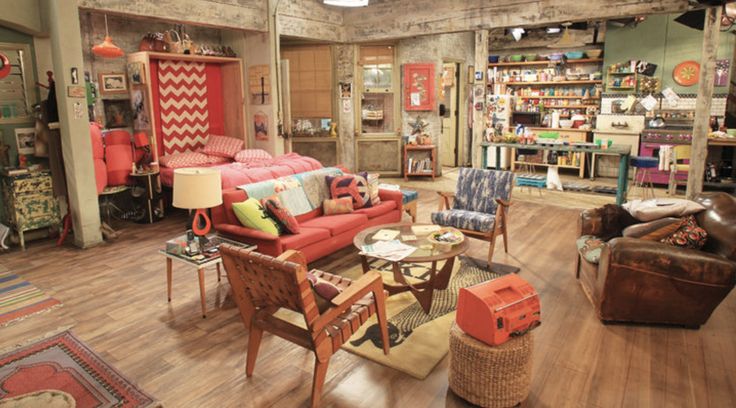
x,y
201,223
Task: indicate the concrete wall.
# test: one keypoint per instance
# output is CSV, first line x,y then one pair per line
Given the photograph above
x,y
22,15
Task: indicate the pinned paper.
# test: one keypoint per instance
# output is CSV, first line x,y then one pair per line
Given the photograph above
x,y
671,97
628,102
649,102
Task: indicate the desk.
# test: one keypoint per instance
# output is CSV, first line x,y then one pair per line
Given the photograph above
x,y
624,153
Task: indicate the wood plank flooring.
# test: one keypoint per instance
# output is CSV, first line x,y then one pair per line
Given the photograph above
x,y
114,296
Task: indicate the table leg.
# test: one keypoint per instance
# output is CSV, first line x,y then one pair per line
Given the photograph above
x,y
623,179
443,278
200,271
22,240
364,263
169,267
218,272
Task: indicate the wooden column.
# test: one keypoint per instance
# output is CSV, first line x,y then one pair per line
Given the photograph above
x,y
701,127
66,53
479,123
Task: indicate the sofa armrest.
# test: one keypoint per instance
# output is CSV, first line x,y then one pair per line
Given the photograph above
x,y
652,257
392,195
591,222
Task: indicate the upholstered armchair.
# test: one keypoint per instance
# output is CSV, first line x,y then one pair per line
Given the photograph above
x,y
262,285
643,281
479,207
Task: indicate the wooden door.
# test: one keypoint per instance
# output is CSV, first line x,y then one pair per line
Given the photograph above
x,y
449,94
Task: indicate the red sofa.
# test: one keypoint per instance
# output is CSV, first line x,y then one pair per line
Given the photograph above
x,y
319,236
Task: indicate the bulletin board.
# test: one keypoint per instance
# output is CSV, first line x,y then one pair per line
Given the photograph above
x,y
419,87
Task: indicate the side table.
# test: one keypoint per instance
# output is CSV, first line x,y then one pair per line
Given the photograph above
x,y
154,202
212,258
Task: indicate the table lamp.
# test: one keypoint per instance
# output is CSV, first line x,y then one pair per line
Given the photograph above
x,y
197,189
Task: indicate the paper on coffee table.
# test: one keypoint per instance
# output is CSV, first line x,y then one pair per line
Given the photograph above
x,y
393,251
385,234
424,229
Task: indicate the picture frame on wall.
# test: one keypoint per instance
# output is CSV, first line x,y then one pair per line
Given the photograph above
x,y
118,113
113,84
25,139
136,76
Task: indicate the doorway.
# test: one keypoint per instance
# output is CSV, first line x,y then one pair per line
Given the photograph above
x,y
450,114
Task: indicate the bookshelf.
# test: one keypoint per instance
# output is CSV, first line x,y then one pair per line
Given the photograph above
x,y
420,160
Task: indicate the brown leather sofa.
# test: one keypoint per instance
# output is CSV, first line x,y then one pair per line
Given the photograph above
x,y
651,282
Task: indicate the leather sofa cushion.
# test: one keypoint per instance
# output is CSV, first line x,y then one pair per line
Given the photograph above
x,y
379,209
650,210
337,224
590,248
306,236
653,230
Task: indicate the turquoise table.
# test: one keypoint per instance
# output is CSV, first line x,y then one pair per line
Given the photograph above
x,y
623,151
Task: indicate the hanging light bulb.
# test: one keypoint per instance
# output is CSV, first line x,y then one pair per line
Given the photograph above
x,y
106,49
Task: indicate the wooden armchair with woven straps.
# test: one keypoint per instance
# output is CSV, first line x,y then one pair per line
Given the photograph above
x,y
262,285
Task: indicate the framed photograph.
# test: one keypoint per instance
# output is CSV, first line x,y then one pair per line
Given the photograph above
x,y
113,84
136,76
118,113
25,138
346,90
260,123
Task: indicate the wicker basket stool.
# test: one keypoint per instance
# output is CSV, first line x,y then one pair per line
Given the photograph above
x,y
492,377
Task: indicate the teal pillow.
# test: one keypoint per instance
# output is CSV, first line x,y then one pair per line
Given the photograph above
x,y
251,214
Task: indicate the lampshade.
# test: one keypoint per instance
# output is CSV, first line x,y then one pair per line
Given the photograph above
x,y
106,48
196,188
140,139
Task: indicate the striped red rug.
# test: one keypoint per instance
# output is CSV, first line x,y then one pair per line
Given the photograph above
x,y
20,299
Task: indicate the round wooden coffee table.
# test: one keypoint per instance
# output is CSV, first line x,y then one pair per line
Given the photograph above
x,y
426,252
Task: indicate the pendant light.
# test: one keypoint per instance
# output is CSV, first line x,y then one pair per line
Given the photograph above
x,y
567,40
106,49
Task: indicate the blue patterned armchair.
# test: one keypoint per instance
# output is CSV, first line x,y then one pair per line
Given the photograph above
x,y
480,205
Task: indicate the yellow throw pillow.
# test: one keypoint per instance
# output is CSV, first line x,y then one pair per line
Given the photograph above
x,y
251,214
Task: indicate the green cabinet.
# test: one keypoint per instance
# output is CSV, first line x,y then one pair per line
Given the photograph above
x,y
29,202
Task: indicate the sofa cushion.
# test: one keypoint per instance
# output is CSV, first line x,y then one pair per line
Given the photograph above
x,y
306,236
590,248
662,207
377,210
653,230
252,155
251,214
467,220
337,206
373,188
689,235
337,224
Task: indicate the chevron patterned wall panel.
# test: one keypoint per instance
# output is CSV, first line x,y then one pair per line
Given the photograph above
x,y
185,123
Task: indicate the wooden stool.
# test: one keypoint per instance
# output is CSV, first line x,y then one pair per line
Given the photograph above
x,y
496,377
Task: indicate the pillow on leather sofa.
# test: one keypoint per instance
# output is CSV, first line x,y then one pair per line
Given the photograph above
x,y
590,248
655,230
251,214
689,235
650,210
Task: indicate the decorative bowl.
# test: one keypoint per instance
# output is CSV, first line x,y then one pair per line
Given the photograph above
x,y
565,123
530,57
555,57
444,239
516,58
493,59
594,53
573,55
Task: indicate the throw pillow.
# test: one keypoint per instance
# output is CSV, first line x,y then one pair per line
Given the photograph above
x,y
689,235
323,290
188,159
653,230
337,206
662,207
350,185
590,248
251,214
222,146
373,188
249,155
287,223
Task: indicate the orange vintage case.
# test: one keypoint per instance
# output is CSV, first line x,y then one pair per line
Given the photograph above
x,y
495,310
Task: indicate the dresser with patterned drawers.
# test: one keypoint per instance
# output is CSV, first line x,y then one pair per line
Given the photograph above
x,y
29,202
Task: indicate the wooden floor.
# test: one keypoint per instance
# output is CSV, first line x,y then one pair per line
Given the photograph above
x,y
114,296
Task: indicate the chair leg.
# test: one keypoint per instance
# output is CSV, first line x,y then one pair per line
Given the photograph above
x,y
505,238
491,247
320,372
380,299
254,342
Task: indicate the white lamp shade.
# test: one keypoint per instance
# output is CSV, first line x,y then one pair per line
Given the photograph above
x,y
196,188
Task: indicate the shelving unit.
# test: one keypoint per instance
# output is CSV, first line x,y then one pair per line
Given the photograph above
x,y
555,83
408,154
545,62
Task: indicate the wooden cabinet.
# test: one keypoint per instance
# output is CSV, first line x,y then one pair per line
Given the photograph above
x,y
575,161
420,160
29,202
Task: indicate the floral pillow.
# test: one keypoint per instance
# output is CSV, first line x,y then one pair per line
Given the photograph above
x,y
689,235
286,222
223,146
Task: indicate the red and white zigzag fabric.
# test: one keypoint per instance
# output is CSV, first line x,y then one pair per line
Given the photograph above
x,y
185,121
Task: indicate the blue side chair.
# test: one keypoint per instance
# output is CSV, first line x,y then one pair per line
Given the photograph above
x,y
479,207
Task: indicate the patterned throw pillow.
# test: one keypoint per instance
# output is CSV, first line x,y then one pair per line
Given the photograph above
x,y
590,248
354,186
373,188
689,235
653,230
251,214
222,146
337,206
287,223
324,291
249,155
180,160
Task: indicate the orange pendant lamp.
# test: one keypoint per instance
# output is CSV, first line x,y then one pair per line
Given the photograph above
x,y
106,49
